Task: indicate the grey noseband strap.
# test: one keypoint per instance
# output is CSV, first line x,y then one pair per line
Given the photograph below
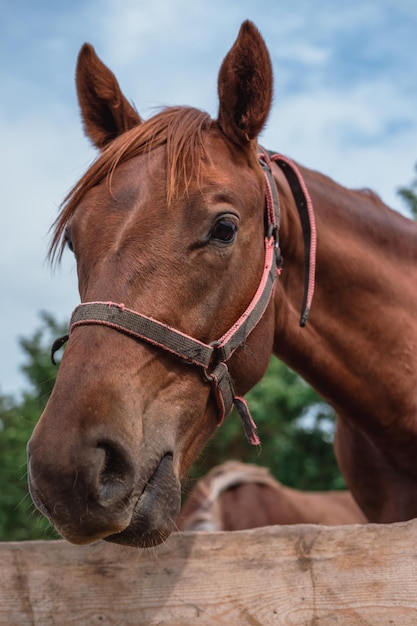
x,y
140,326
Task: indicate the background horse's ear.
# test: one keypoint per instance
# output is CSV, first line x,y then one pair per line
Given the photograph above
x,y
105,111
245,86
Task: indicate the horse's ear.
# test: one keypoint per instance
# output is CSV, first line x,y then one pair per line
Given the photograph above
x,y
105,111
245,86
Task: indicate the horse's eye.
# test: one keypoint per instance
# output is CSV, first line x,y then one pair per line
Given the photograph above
x,y
224,231
68,241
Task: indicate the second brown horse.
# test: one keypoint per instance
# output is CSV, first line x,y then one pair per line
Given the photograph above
x,y
236,496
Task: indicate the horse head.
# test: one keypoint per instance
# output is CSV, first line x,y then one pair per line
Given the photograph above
x,y
168,222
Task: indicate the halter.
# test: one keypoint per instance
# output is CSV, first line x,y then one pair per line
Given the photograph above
x,y
212,357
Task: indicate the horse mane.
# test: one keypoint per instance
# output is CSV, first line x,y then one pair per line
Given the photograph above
x,y
179,128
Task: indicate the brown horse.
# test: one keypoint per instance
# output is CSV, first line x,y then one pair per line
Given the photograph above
x,y
235,496
174,230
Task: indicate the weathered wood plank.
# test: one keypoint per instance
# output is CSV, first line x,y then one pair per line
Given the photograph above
x,y
289,576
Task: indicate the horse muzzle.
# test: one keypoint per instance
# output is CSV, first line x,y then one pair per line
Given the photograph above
x,y
107,497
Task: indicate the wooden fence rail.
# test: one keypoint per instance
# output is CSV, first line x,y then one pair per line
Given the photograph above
x,y
289,576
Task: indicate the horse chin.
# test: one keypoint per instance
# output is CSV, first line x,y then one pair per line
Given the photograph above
x,y
155,513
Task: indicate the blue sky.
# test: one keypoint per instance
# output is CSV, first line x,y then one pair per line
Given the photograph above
x,y
345,104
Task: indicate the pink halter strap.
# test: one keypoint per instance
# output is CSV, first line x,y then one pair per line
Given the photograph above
x,y
212,357
308,223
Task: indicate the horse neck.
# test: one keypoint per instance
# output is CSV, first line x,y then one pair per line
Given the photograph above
x,y
366,260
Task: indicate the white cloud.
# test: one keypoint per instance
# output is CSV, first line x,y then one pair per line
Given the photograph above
x,y
351,136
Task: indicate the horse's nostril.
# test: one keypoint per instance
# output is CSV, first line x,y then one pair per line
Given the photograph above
x,y
116,475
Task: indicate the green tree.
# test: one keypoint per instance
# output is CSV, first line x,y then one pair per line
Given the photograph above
x,y
409,195
19,519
